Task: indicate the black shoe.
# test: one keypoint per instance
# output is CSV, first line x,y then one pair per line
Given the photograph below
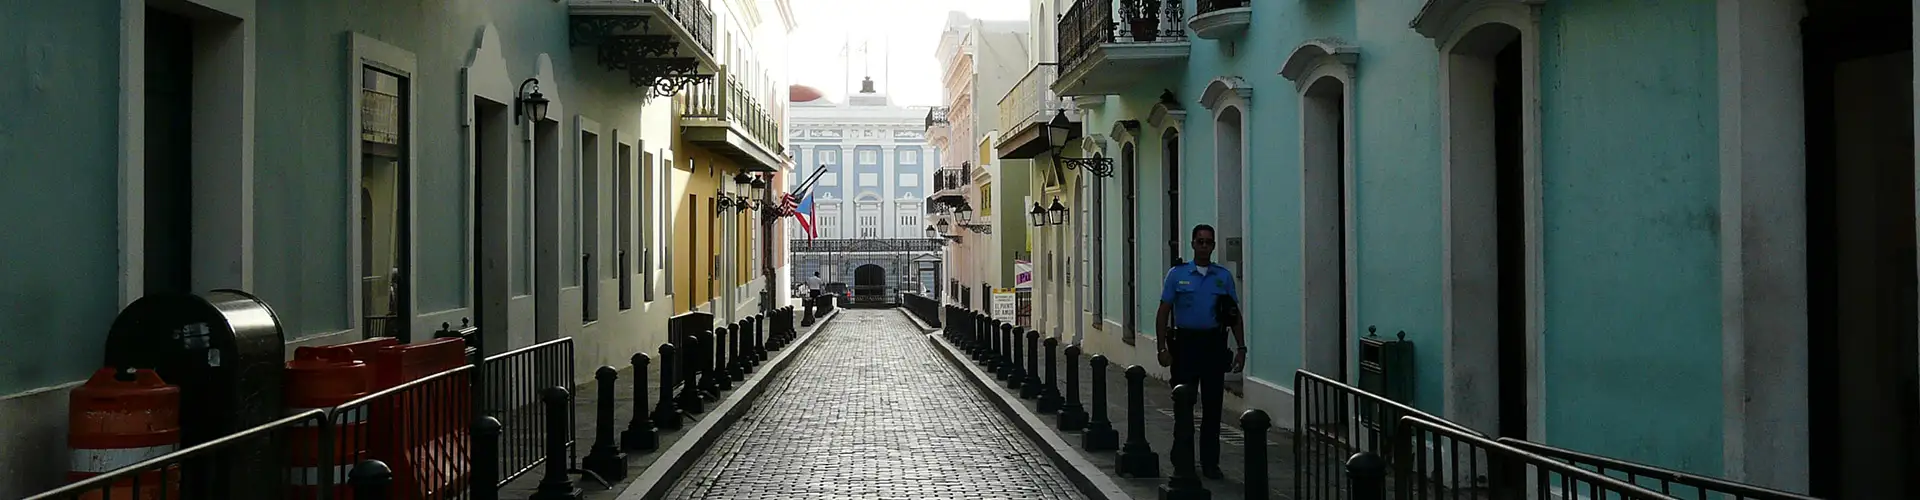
x,y
1211,472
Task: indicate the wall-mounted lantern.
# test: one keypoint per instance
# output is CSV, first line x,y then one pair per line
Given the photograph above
x,y
531,106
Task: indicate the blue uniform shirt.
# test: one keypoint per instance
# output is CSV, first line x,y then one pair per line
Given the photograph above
x,y
1193,294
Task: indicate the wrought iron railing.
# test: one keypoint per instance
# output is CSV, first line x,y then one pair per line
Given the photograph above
x,y
1333,421
1090,23
1031,100
923,307
199,471
1436,459
1206,6
512,384
1666,481
936,116
723,97
695,16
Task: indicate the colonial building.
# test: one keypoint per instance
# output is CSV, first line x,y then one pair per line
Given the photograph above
x,y
364,172
983,59
1674,233
870,202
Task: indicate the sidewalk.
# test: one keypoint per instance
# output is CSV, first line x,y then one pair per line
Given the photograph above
x,y
1158,404
586,412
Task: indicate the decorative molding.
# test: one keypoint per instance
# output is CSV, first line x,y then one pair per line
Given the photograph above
x,y
1221,24
1312,54
1219,90
1125,130
1168,112
1441,19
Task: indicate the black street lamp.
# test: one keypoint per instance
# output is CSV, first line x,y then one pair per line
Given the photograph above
x,y
532,106
1057,212
1038,215
964,213
1058,132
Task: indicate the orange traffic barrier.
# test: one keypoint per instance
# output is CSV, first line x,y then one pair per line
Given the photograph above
x,y
325,377
427,426
120,418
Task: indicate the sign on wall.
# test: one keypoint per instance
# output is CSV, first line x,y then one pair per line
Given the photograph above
x,y
1003,303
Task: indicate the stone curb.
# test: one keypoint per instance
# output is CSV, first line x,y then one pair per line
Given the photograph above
x,y
674,462
922,325
1090,479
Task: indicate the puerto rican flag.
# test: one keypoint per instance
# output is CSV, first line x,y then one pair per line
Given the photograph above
x,y
799,202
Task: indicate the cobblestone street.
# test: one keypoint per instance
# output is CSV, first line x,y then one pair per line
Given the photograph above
x,y
870,410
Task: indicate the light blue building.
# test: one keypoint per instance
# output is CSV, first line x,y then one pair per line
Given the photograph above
x,y
366,168
1679,233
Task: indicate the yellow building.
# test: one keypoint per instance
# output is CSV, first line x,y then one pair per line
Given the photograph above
x,y
729,137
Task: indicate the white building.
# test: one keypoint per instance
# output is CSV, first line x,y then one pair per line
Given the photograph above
x,y
877,162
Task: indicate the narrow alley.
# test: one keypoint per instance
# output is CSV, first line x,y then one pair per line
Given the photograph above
x,y
870,410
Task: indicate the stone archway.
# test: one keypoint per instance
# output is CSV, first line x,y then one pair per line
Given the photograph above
x,y
869,283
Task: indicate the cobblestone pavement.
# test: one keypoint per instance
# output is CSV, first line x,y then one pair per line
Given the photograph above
x,y
871,411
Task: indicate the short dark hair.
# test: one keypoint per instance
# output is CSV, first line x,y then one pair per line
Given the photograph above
x,y
1201,227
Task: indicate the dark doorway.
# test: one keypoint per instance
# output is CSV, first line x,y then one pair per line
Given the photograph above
x,y
589,227
869,284
491,223
1511,246
168,237
1324,147
1861,271
1130,260
386,233
1170,151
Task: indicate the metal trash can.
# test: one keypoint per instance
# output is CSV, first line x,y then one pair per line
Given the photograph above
x,y
226,351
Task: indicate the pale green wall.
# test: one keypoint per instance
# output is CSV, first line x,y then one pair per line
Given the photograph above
x,y
59,188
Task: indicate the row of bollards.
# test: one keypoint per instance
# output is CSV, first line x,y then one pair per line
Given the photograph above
x,y
736,350
1012,355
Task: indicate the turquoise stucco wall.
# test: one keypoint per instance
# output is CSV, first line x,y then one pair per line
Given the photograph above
x,y
59,186
1630,178
1273,172
301,149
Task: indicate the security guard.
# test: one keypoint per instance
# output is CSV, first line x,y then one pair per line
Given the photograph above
x,y
1199,304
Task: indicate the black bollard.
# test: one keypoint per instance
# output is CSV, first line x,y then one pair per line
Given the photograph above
x,y
1002,366
1016,360
1100,435
1183,484
807,320
1254,424
1030,384
556,484
666,416
486,450
1368,473
760,337
690,388
371,480
640,434
735,363
606,458
747,358
1049,401
1073,417
983,340
1137,458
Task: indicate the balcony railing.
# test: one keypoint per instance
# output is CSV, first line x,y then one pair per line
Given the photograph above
x,y
1206,6
950,178
724,98
1030,100
1090,23
695,16
936,116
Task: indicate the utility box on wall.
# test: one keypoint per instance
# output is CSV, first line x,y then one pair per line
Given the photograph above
x,y
1386,369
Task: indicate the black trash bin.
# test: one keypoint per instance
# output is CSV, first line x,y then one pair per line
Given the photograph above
x,y
226,351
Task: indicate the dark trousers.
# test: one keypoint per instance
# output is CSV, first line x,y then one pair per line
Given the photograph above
x,y
813,302
1201,359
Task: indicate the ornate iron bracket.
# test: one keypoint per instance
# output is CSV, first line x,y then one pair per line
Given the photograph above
x,y
651,61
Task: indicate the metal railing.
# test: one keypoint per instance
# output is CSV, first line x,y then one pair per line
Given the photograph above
x,y
1332,421
511,385
196,472
1434,459
411,428
1207,6
1030,101
1090,23
1666,481
923,307
695,16
936,116
725,98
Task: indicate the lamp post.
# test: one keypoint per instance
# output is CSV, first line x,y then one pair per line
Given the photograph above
x,y
1058,132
